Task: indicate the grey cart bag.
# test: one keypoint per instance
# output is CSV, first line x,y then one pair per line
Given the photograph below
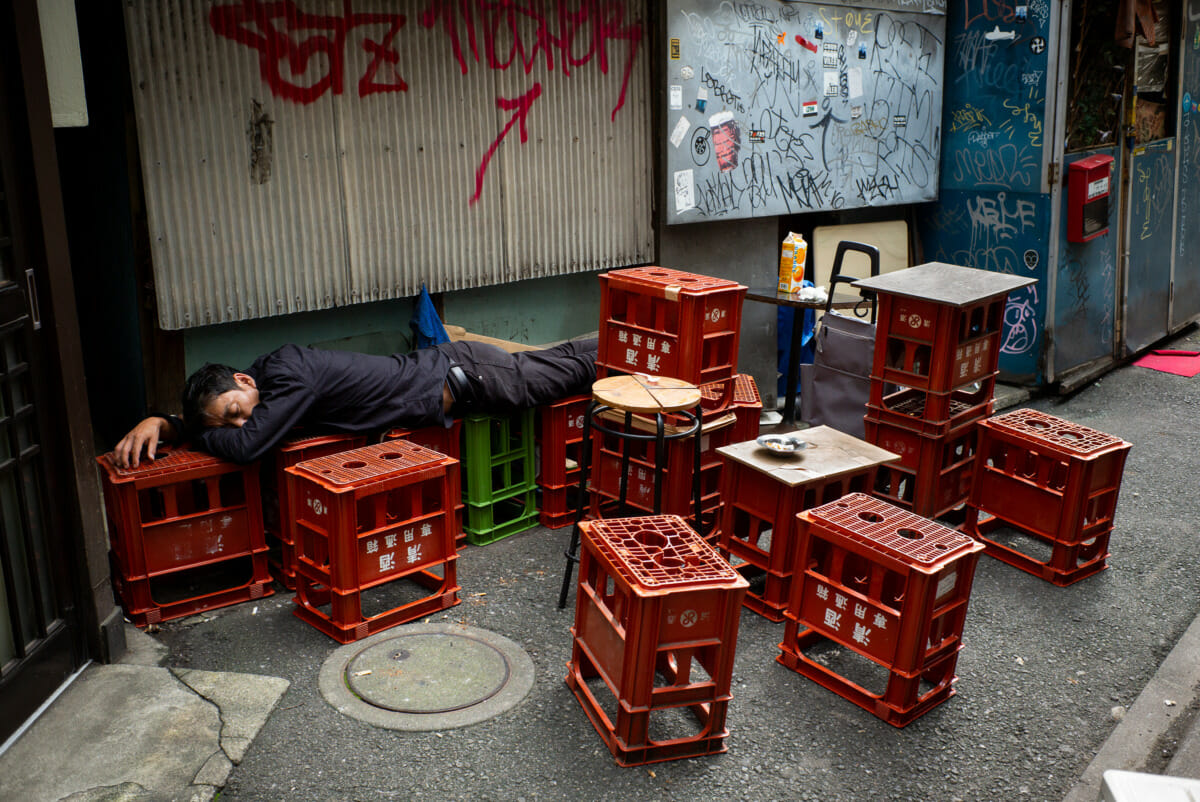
x,y
834,389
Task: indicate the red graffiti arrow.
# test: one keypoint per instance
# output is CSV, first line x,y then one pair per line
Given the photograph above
x,y
520,108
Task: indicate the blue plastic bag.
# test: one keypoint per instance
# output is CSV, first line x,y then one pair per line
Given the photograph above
x,y
426,325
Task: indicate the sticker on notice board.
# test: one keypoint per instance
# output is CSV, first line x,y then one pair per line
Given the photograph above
x,y
757,137
684,196
851,38
674,50
676,97
833,83
900,121
805,43
681,130
829,62
810,108
780,38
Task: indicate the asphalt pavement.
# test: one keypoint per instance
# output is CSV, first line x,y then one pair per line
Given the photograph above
x,y
1054,686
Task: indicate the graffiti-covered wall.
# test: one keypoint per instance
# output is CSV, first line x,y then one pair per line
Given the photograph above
x,y
993,212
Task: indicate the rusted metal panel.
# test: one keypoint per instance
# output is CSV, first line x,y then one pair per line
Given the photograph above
x,y
310,154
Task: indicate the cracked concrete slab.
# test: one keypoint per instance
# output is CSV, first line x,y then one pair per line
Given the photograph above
x,y
245,702
139,733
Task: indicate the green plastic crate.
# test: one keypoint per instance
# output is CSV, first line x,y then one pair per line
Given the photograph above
x,y
487,523
499,479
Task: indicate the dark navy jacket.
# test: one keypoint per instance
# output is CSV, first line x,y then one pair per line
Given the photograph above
x,y
338,391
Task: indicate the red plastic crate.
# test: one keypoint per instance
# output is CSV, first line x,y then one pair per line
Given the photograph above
x,y
932,414
1053,480
184,510
278,525
435,438
653,598
747,406
558,506
669,323
923,453
888,585
927,491
761,494
368,517
559,438
936,347
444,441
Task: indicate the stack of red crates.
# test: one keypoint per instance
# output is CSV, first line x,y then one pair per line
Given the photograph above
x,y
276,505
186,531
559,439
364,521
1052,480
656,622
889,586
665,322
444,441
932,381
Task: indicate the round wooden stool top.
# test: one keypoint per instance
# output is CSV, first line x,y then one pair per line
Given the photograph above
x,y
646,394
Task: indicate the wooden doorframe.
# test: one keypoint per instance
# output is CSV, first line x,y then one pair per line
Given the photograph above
x,y
71,449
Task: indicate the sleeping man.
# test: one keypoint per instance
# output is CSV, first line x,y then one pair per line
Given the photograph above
x,y
241,415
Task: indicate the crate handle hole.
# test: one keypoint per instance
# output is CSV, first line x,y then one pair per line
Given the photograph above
x,y
391,455
911,534
1037,424
352,464
650,538
1076,436
871,517
665,561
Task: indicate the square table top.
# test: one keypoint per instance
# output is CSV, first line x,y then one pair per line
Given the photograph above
x,y
945,284
828,454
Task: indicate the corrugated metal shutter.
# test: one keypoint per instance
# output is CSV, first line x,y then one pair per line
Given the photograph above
x,y
361,191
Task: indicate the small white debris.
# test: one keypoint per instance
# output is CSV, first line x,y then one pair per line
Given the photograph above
x,y
1169,702
1020,661
362,673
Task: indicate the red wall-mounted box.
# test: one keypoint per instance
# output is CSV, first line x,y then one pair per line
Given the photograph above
x,y
1089,185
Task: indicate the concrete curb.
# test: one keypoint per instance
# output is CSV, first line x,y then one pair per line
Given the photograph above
x,y
1166,704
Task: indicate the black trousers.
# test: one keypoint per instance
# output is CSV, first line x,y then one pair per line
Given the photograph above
x,y
502,383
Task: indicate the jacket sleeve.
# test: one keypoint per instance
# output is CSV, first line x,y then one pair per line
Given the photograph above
x,y
282,404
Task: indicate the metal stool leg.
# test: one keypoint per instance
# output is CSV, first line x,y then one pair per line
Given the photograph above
x,y
585,464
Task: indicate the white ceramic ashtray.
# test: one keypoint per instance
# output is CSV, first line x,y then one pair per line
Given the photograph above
x,y
783,443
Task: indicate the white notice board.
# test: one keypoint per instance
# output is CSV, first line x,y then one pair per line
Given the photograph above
x,y
786,107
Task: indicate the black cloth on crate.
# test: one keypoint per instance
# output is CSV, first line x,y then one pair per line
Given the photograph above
x,y
341,391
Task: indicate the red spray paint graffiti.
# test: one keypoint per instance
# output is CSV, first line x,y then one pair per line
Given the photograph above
x,y
269,29
494,33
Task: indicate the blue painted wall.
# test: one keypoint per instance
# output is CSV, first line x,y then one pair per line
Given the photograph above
x,y
991,213
1085,291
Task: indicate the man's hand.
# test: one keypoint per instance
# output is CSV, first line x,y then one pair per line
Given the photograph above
x,y
144,436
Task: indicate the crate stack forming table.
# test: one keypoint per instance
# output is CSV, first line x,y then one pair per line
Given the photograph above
x,y
375,538
656,622
186,531
933,377
663,322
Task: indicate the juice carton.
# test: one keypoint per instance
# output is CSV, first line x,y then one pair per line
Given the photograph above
x,y
792,259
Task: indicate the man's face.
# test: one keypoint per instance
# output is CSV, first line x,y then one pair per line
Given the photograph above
x,y
233,407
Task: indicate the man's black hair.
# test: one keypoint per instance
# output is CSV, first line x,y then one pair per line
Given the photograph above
x,y
201,388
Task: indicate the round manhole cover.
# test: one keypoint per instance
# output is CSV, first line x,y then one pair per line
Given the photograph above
x,y
428,673
427,677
